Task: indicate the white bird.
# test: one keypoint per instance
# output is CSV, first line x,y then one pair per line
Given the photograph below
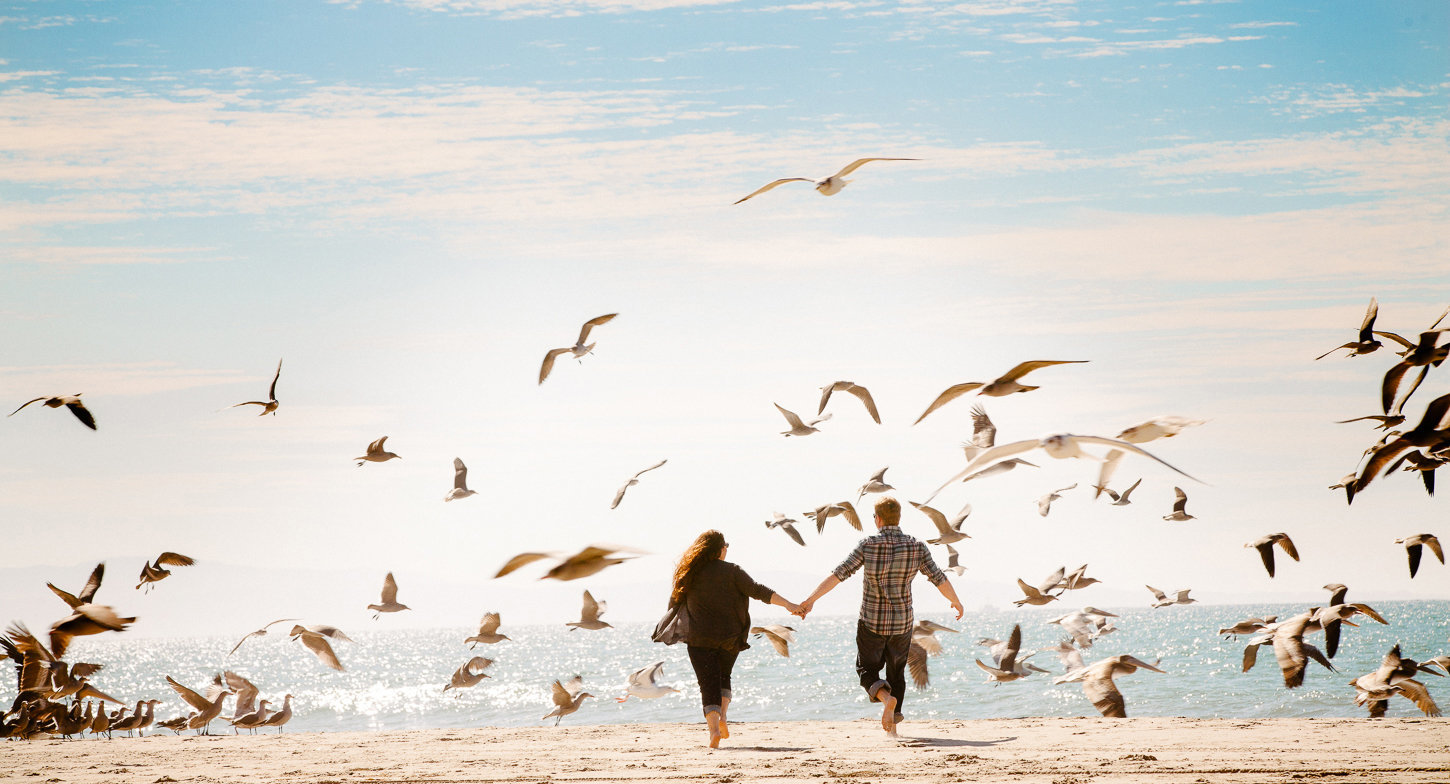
x,y
460,482
1180,507
389,601
644,684
1004,385
1162,599
1122,499
1060,446
1041,593
262,632
953,561
1097,682
788,525
1142,433
797,427
578,350
947,532
71,402
269,406
842,508
780,637
1044,504
876,484
1083,625
1008,666
589,615
831,185
567,698
853,388
469,675
634,480
376,453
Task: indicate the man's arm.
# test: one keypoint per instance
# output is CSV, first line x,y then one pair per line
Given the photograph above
x,y
821,590
945,586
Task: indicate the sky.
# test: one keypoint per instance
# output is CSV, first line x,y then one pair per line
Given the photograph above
x,y
410,203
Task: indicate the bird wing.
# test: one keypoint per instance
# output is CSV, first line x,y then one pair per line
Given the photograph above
x,y
1008,660
790,416
82,413
489,623
937,518
1157,594
1266,553
272,391
989,456
1434,544
1180,500
1366,327
984,433
93,583
1027,367
651,468
66,597
390,589
1131,448
376,446
321,649
859,162
619,495
16,411
864,396
1416,692
460,474
174,559
561,695
1053,580
591,609
1288,546
768,186
826,394
1104,694
477,665
916,662
780,643
245,691
849,510
794,534
522,559
192,698
549,362
951,393
591,324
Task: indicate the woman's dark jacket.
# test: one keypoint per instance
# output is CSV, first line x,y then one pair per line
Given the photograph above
x,y
716,605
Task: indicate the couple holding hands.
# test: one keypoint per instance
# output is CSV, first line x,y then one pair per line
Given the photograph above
x,y
709,612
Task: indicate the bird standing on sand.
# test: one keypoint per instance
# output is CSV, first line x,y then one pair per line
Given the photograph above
x,y
460,482
1097,682
154,573
567,698
1265,546
376,453
831,185
579,349
389,602
281,717
589,615
634,480
644,683
1005,385
1414,546
269,406
71,402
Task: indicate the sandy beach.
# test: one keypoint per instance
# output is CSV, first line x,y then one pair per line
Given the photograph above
x,y
1050,751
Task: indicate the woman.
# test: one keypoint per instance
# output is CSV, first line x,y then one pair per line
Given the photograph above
x,y
714,597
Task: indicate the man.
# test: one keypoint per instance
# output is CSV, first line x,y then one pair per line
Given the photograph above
x,y
883,632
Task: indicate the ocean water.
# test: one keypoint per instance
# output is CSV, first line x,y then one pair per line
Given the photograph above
x,y
394,679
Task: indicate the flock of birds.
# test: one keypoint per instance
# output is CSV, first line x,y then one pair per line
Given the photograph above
x,y
57,697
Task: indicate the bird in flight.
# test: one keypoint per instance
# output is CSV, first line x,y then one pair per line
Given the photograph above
x,y
579,349
154,572
831,185
797,427
389,601
376,453
460,482
634,480
269,406
861,393
1004,385
1265,546
72,402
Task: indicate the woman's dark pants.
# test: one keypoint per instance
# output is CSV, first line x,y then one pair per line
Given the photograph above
x,y
712,670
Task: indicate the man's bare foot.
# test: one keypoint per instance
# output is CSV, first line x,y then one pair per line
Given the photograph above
x,y
888,714
713,720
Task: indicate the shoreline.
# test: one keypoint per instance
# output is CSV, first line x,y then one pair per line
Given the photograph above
x,y
1028,750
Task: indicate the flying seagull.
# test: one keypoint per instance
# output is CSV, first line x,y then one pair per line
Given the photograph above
x,y
578,350
1005,385
469,675
1366,342
853,388
376,453
389,601
644,683
269,406
780,637
460,482
262,632
797,427
1414,546
567,698
72,402
1265,546
831,185
634,480
589,615
1097,682
788,525
1180,507
154,572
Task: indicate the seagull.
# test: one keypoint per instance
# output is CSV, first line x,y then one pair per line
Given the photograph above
x,y
788,525
1432,434
1366,342
87,593
1423,354
1414,546
589,615
842,508
1142,433
579,349
207,709
1164,601
1083,625
1097,682
644,684
947,532
487,631
282,716
1008,667
1070,657
831,185
315,638
924,634
389,601
1290,650
262,632
269,406
953,561
1040,594
72,402
1077,579
86,618
590,560
1265,546
470,674
1044,504
1248,626
1122,499
153,572
859,391
634,480
876,484
1060,446
1341,612
780,637
376,453
1005,385
984,433
797,427
1394,676
1180,507
460,482
567,698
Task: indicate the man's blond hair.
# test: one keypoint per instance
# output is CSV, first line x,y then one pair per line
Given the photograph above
x,y
889,510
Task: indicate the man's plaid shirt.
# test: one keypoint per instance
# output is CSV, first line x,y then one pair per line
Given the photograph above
x,y
892,559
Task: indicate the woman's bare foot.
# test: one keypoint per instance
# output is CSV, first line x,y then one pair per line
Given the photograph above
x,y
724,724
888,714
713,720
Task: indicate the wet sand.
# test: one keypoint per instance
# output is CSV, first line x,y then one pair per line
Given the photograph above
x,y
1049,751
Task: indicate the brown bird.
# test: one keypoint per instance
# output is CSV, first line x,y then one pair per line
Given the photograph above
x,y
315,639
1414,546
578,350
1290,650
376,453
860,392
1265,546
1097,682
1422,354
1005,385
1394,676
829,186
567,698
589,614
1431,434
1366,342
469,675
844,508
591,560
72,402
269,406
153,572
389,601
487,631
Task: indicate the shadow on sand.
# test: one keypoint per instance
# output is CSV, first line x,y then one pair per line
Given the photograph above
x,y
945,742
782,749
